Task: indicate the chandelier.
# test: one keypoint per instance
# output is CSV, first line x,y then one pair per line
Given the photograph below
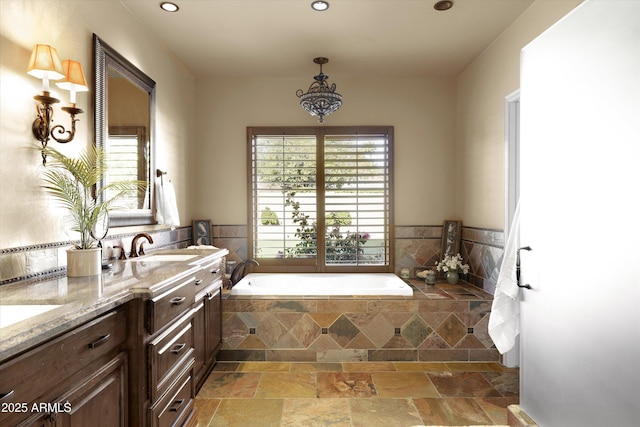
x,y
320,99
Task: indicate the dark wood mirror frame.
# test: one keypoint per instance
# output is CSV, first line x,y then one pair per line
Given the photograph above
x,y
105,57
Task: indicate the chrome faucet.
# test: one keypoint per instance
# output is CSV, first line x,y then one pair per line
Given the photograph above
x,y
238,273
134,245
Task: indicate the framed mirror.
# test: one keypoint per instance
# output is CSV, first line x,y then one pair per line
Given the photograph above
x,y
125,128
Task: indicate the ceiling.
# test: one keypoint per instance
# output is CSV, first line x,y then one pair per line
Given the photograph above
x,y
361,38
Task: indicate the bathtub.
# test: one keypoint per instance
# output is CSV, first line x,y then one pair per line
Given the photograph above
x,y
322,284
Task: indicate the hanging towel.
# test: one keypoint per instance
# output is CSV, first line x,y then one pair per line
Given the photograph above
x,y
166,206
504,319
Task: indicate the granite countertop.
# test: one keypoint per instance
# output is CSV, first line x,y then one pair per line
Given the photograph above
x,y
70,302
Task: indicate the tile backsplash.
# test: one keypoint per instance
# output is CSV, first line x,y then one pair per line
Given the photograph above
x,y
27,262
416,247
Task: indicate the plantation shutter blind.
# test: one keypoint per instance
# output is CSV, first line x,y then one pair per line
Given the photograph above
x,y
321,198
356,169
284,179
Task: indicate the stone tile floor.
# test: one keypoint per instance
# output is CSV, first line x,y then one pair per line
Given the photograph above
x,y
371,394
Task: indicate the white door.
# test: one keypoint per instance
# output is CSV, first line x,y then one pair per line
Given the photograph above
x,y
580,201
511,358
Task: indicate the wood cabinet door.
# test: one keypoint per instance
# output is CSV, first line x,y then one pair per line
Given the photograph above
x,y
100,399
213,325
199,329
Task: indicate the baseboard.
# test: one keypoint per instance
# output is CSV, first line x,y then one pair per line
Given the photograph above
x,y
516,417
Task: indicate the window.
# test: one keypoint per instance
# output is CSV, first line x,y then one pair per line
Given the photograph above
x,y
128,154
321,198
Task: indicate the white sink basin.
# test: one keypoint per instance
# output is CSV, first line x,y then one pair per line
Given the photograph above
x,y
10,314
163,258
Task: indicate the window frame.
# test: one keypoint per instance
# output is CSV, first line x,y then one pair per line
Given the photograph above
x,y
318,264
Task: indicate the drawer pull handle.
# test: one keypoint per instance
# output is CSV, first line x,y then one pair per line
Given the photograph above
x,y
176,405
211,296
214,271
199,282
6,396
178,348
97,343
177,300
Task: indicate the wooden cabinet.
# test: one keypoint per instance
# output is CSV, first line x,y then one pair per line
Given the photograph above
x,y
80,374
169,352
175,408
166,307
161,347
200,356
137,365
208,319
98,399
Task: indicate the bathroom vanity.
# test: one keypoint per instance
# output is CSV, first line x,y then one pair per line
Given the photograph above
x,y
129,347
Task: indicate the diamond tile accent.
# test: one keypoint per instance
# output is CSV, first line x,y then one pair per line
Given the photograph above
x,y
270,331
416,331
360,341
377,329
343,331
324,319
324,343
251,342
288,320
481,331
398,342
434,341
234,331
306,330
288,341
452,330
440,323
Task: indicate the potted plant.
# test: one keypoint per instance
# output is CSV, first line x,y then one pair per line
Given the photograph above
x,y
73,183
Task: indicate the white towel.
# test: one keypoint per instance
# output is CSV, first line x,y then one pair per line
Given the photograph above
x,y
166,205
504,319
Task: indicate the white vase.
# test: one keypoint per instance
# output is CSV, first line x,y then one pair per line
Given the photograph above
x,y
84,262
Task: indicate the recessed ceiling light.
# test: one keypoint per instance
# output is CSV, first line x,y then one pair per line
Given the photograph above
x,y
443,5
169,7
320,5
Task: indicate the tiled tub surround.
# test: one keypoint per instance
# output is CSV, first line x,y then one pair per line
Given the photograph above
x,y
40,260
483,250
416,247
439,323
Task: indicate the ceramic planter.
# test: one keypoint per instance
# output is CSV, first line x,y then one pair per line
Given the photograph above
x,y
84,262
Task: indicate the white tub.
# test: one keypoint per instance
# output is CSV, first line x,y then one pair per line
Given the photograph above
x,y
321,284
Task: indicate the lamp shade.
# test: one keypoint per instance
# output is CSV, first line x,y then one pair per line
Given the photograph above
x,y
73,77
45,63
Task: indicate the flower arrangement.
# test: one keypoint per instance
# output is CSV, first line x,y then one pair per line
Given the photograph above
x,y
452,263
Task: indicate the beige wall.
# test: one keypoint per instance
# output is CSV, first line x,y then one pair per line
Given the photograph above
x,y
422,111
482,88
26,216
448,133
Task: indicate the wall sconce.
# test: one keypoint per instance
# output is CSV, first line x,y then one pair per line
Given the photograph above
x,y
46,65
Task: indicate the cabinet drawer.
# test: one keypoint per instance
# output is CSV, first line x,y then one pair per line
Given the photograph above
x,y
171,304
210,272
169,352
31,375
176,406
